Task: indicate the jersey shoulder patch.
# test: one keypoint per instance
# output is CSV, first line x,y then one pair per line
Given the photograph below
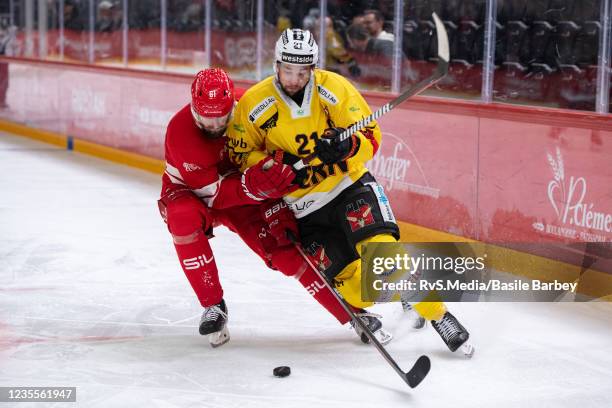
x,y
261,108
327,95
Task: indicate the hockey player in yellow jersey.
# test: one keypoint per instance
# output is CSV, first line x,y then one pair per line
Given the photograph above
x,y
338,204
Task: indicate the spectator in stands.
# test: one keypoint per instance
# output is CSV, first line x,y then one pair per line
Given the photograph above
x,y
109,17
311,19
72,17
346,10
374,22
361,40
188,17
337,57
232,15
387,8
144,14
282,21
52,15
299,10
359,19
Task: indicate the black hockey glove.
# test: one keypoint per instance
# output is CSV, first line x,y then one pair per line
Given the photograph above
x,y
283,157
329,150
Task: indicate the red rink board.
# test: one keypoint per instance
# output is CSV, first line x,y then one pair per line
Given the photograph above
x,y
489,172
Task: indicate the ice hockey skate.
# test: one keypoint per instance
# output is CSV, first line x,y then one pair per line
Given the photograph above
x,y
454,334
374,324
214,324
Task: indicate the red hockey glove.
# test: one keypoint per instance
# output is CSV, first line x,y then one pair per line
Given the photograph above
x,y
329,150
279,220
268,179
281,156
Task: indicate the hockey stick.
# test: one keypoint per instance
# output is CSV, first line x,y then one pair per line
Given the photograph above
x,y
421,367
441,71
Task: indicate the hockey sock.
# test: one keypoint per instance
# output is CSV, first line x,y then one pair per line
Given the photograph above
x,y
199,265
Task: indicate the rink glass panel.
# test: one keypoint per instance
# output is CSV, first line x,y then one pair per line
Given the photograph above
x,y
108,32
367,63
277,16
185,38
464,21
234,37
547,53
144,45
49,30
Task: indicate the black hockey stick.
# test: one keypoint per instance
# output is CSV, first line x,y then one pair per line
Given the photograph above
x,y
440,72
412,377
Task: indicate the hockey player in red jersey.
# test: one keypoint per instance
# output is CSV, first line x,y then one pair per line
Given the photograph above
x,y
201,189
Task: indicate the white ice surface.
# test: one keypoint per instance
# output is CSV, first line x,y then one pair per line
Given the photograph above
x,y
92,296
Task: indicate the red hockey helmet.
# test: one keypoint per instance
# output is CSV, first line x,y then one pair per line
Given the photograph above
x,y
212,100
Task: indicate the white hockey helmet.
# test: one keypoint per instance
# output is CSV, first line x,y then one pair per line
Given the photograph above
x,y
297,47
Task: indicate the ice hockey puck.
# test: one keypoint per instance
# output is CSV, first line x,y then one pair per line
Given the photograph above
x,y
282,371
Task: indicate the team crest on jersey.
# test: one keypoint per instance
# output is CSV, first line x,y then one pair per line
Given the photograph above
x,y
261,108
316,253
191,167
359,215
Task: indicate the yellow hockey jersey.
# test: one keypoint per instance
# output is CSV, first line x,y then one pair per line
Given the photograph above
x,y
266,119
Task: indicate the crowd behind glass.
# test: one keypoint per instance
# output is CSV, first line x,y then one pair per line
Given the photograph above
x,y
544,52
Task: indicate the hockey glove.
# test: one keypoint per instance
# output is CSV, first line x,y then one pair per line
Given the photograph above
x,y
279,220
281,156
329,150
268,179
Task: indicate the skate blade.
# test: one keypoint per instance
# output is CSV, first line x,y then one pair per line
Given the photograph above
x,y
219,338
381,335
467,350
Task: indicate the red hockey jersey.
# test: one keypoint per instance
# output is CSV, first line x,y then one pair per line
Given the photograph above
x,y
200,164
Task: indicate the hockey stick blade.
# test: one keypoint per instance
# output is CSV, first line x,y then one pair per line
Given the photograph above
x,y
439,73
421,367
418,372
